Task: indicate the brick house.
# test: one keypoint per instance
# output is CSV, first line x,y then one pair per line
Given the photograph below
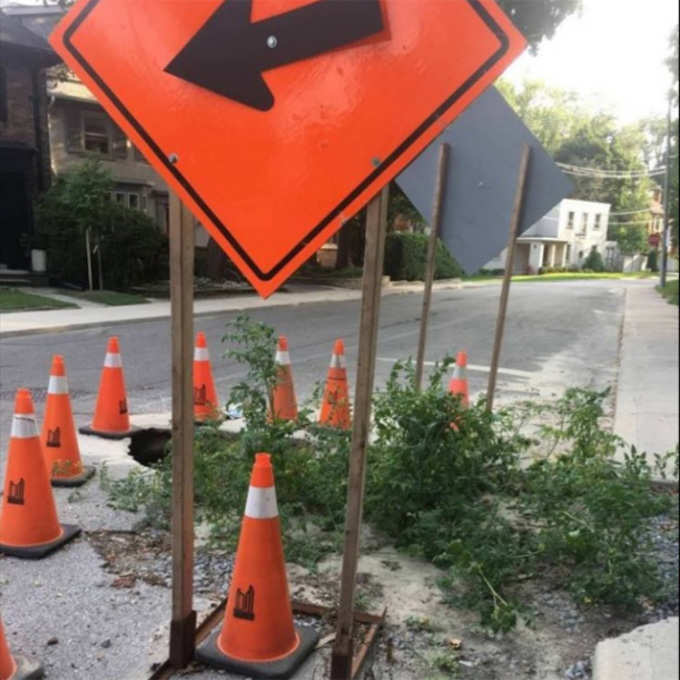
x,y
24,139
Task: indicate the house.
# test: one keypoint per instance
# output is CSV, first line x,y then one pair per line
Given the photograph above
x,y
80,129
24,142
655,223
563,238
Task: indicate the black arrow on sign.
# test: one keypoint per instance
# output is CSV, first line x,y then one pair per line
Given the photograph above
x,y
229,52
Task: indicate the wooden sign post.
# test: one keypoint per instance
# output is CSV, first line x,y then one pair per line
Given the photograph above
x,y
376,227
437,203
183,623
509,265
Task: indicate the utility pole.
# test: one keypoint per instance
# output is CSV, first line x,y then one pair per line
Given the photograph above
x,y
666,192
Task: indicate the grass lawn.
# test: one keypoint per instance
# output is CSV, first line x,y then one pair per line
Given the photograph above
x,y
106,297
12,300
670,291
567,276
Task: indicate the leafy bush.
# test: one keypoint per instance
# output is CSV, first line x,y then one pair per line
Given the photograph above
x,y
594,261
405,256
133,249
445,483
653,261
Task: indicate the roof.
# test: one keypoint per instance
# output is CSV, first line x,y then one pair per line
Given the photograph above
x,y
15,35
37,19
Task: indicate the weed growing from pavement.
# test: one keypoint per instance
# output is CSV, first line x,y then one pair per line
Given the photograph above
x,y
448,484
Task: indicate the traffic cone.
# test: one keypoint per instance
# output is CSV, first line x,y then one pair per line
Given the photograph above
x,y
16,668
258,638
459,381
206,401
58,438
335,407
28,516
283,397
111,419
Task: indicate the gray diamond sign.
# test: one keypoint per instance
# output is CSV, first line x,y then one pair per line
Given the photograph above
x,y
486,143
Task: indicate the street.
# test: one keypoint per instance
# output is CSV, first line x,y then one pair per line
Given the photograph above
x,y
558,334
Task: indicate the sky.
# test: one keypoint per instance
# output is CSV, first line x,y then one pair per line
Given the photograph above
x,y
612,55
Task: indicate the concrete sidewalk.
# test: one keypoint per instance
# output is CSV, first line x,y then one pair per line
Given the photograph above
x,y
646,416
17,323
647,392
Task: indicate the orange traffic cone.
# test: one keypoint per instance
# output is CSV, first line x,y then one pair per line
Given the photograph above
x,y
59,440
459,382
16,668
258,637
283,397
335,407
111,419
28,516
206,401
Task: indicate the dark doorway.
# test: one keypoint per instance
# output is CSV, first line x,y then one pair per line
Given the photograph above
x,y
15,220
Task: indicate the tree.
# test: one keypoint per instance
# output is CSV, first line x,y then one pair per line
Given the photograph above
x,y
575,136
539,20
672,63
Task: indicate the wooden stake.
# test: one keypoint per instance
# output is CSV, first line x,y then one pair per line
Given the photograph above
x,y
376,227
183,624
509,264
437,203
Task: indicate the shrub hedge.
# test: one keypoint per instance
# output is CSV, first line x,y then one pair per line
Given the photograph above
x,y
405,255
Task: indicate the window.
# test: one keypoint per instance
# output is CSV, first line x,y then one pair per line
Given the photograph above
x,y
139,157
584,223
570,220
3,95
96,133
130,200
598,221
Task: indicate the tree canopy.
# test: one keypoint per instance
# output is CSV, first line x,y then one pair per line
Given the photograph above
x,y
539,20
574,135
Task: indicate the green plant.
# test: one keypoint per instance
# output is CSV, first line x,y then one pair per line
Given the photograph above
x,y
405,255
594,261
448,484
132,249
653,260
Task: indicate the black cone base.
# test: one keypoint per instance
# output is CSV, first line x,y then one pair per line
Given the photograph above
x,y
86,429
27,670
209,654
78,480
37,552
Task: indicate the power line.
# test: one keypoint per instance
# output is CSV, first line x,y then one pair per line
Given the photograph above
x,y
581,171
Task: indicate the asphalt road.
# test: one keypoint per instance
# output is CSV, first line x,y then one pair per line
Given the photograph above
x,y
558,334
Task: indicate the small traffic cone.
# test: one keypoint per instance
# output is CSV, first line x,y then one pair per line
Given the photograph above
x,y
283,398
459,381
206,401
28,516
335,407
58,438
111,419
258,638
16,668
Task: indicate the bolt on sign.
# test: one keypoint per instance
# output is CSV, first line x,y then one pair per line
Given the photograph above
x,y
275,121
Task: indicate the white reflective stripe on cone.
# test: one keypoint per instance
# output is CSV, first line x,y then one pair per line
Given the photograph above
x,y
113,361
24,427
201,354
58,385
337,361
261,503
459,373
282,358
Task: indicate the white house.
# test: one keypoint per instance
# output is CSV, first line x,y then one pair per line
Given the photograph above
x,y
563,238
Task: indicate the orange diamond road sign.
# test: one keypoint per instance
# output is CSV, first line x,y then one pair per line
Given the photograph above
x,y
275,121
